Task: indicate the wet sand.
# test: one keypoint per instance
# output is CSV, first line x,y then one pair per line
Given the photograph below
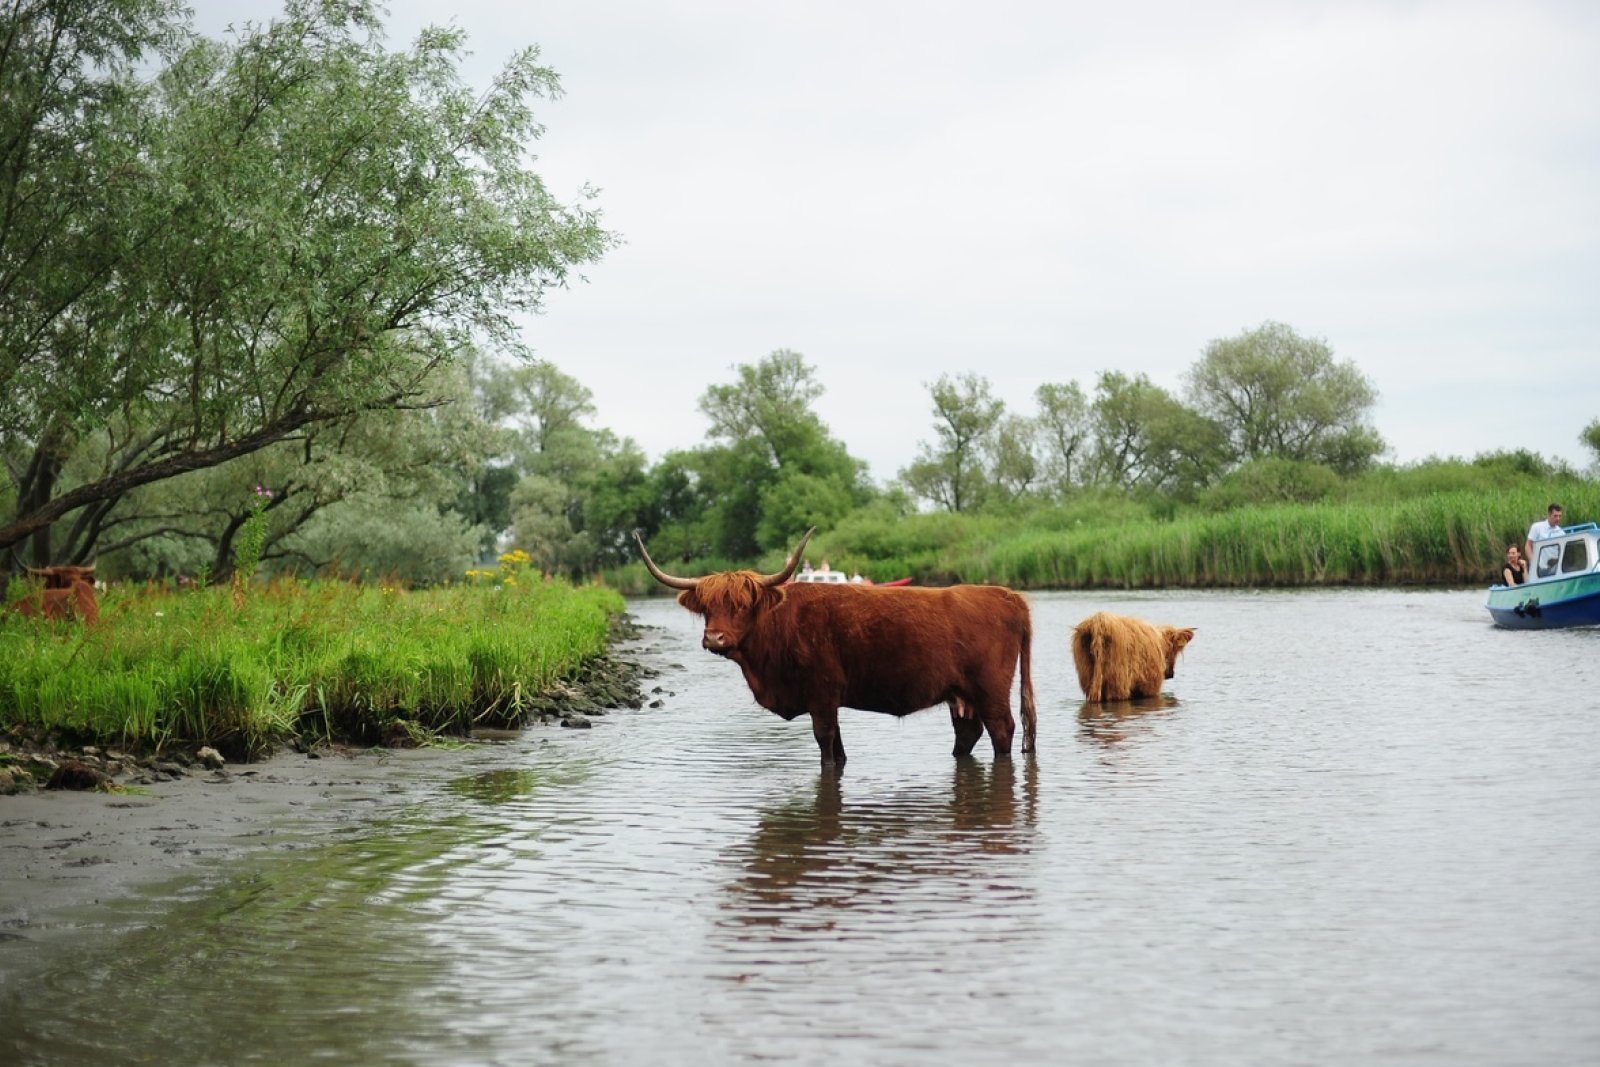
x,y
61,850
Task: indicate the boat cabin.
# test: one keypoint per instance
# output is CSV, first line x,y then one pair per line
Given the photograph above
x,y
1570,552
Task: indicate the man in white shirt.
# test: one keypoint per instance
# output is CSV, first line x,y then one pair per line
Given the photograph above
x,y
1549,526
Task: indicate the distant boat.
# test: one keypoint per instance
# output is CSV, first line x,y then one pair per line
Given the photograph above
x,y
1563,586
832,577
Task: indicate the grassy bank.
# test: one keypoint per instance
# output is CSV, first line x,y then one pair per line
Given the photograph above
x,y
1437,538
1441,539
245,671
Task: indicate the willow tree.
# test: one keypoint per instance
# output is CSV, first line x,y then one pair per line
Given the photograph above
x,y
950,473
286,229
1282,396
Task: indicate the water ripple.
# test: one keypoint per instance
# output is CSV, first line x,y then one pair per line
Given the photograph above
x,y
1344,834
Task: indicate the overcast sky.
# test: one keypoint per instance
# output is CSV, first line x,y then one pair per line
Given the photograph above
x,y
1039,192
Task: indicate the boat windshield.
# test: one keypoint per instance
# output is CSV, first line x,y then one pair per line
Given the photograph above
x,y
1576,556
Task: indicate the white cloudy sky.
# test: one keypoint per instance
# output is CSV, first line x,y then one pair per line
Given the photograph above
x,y
1042,191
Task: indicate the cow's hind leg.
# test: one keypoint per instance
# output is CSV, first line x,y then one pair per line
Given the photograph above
x,y
968,727
997,720
825,727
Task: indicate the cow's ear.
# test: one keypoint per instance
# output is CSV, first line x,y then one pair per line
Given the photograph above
x,y
690,599
1181,638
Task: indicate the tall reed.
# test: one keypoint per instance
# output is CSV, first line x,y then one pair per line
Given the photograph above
x,y
1456,538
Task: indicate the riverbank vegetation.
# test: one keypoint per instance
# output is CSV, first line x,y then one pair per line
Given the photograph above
x,y
245,669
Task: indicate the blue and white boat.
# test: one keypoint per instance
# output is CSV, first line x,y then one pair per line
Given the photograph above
x,y
1563,586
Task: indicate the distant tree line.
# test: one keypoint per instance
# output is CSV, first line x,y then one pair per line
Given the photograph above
x,y
1268,396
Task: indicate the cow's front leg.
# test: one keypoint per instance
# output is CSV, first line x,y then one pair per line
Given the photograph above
x,y
968,727
825,727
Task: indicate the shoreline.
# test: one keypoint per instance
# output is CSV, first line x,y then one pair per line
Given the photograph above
x,y
72,848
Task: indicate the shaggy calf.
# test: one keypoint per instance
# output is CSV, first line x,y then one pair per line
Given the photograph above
x,y
1119,658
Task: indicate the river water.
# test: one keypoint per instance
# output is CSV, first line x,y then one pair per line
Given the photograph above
x,y
1360,827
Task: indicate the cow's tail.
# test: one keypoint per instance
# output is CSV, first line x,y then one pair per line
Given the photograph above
x,y
1103,649
1030,715
1092,653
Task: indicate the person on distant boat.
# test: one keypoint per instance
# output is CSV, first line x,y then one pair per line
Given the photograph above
x,y
1549,526
1515,571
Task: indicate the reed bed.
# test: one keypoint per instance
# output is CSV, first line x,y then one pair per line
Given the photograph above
x,y
1441,539
246,669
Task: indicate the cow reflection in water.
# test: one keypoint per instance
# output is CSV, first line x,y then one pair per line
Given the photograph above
x,y
1115,723
922,850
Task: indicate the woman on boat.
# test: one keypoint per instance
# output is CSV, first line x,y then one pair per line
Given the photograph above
x,y
1515,572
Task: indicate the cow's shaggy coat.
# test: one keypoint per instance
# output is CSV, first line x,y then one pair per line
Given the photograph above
x,y
1119,658
68,593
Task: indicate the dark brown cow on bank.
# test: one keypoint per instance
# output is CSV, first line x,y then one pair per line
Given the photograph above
x,y
811,649
68,593
1119,658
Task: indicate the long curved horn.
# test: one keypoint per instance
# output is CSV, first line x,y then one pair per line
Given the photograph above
x,y
660,575
794,560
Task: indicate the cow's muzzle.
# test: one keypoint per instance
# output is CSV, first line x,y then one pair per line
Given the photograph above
x,y
716,642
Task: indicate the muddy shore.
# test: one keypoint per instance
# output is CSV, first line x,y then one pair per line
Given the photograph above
x,y
117,820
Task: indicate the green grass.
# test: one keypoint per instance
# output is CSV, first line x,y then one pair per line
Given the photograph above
x,y
1456,538
247,670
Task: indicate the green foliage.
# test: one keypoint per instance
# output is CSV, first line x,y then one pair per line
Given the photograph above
x,y
884,544
796,502
1278,395
1289,523
770,403
410,542
772,470
1486,474
950,473
1455,537
275,233
1271,481
1146,441
339,490
164,667
252,536
1063,432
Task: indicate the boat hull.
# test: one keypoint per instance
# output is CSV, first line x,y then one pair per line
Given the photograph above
x,y
1573,601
